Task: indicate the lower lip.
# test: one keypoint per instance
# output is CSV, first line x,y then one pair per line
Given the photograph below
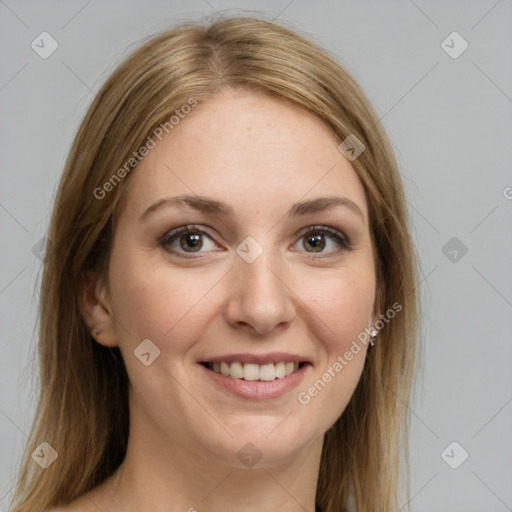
x,y
258,389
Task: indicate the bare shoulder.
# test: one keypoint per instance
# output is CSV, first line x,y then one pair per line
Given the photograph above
x,y
91,501
80,504
71,507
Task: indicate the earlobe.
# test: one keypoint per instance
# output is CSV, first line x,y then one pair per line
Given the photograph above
x,y
94,302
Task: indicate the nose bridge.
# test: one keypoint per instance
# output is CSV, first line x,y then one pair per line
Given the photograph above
x,y
259,297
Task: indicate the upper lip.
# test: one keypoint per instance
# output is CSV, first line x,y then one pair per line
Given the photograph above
x,y
273,357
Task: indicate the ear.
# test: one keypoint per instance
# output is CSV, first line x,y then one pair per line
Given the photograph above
x,y
94,303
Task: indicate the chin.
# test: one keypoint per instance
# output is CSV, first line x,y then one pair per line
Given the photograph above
x,y
259,444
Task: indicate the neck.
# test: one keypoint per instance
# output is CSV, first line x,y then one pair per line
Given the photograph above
x,y
161,474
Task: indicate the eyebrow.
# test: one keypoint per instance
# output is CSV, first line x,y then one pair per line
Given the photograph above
x,y
207,205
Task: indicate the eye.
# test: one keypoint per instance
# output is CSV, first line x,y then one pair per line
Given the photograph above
x,y
317,239
187,239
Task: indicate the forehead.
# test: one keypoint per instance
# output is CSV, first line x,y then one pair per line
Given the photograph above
x,y
248,150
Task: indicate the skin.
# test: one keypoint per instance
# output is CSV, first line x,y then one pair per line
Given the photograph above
x,y
259,156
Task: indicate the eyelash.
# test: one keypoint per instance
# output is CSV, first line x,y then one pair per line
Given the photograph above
x,y
342,240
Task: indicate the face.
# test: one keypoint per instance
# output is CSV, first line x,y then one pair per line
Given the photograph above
x,y
266,272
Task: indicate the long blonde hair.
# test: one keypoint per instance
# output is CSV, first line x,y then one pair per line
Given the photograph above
x,y
82,409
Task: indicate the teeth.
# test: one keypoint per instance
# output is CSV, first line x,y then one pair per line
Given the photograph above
x,y
236,370
251,371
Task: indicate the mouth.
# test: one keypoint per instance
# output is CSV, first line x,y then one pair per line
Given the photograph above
x,y
255,372
254,381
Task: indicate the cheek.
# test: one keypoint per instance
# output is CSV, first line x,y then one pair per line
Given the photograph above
x,y
157,302
343,305
172,306
342,311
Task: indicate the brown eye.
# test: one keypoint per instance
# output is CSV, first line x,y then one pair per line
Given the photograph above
x,y
317,242
187,240
318,238
191,241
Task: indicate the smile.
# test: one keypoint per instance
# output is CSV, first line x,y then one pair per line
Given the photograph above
x,y
256,381
252,372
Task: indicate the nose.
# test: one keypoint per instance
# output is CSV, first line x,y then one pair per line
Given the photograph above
x,y
260,300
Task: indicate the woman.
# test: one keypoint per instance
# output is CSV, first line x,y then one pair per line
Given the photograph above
x,y
229,304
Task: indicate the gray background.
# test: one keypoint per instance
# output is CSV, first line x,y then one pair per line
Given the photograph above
x,y
449,120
